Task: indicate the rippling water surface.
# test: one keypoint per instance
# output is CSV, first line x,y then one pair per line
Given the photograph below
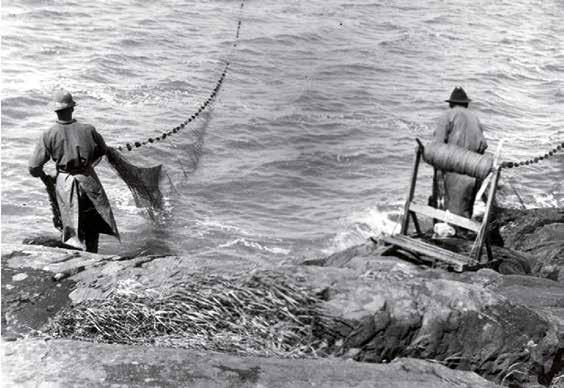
x,y
308,147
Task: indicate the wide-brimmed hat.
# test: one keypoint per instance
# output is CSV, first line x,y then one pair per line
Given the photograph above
x,y
458,95
62,100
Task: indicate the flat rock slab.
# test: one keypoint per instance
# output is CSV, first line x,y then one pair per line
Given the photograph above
x,y
65,363
96,275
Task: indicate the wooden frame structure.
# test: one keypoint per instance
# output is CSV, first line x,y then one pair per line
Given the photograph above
x,y
458,261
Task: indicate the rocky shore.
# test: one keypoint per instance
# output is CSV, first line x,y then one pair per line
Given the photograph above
x,y
387,321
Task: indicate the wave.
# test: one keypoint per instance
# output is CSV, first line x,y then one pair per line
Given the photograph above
x,y
361,225
255,245
25,101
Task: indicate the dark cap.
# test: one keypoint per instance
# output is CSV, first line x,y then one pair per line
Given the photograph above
x,y
458,95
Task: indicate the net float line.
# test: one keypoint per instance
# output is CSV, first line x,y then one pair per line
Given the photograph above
x,y
131,146
165,134
534,160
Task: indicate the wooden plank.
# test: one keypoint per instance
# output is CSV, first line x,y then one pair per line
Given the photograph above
x,y
456,257
456,260
415,222
445,216
429,250
478,244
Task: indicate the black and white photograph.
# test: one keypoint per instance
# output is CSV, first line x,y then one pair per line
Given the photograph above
x,y
300,193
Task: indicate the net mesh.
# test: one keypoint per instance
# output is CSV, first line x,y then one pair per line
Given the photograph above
x,y
49,183
143,182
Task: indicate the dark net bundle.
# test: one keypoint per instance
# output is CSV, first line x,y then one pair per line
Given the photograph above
x,y
50,182
143,182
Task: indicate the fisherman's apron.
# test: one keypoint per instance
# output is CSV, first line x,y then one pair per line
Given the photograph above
x,y
84,207
459,192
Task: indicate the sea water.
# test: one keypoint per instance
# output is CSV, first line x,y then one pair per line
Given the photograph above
x,y
308,147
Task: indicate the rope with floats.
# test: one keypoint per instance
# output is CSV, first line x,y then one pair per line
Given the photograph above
x,y
448,157
164,135
533,160
201,108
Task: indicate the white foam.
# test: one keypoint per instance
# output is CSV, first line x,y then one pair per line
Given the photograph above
x,y
217,225
545,200
360,226
255,245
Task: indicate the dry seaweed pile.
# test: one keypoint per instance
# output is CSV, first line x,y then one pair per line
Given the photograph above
x,y
265,313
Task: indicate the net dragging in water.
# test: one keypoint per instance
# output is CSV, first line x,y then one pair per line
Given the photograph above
x,y
143,182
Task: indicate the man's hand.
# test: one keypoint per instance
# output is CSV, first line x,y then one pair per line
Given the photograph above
x,y
36,172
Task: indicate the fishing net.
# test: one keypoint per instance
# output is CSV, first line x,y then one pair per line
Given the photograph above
x,y
143,182
49,183
264,313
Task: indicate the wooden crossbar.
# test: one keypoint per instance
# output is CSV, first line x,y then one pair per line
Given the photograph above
x,y
456,260
445,216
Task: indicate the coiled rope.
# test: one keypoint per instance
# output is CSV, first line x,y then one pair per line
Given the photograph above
x,y
201,108
533,160
448,157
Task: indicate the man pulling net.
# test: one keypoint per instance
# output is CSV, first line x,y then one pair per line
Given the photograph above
x,y
81,209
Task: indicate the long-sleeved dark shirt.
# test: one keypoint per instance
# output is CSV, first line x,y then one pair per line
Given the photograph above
x,y
60,144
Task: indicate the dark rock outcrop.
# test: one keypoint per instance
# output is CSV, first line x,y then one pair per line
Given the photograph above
x,y
539,233
398,310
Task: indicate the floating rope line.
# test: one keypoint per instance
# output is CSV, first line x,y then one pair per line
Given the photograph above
x,y
143,182
238,24
201,108
164,135
533,160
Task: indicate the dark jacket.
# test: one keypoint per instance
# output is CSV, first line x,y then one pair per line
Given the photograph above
x,y
461,127
76,148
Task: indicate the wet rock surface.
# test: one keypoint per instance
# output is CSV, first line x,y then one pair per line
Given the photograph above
x,y
29,297
72,363
506,327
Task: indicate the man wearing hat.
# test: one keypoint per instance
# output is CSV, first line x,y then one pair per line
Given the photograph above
x,y
75,148
458,126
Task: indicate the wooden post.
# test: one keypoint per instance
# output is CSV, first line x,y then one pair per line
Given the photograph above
x,y
488,247
405,219
415,222
477,248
